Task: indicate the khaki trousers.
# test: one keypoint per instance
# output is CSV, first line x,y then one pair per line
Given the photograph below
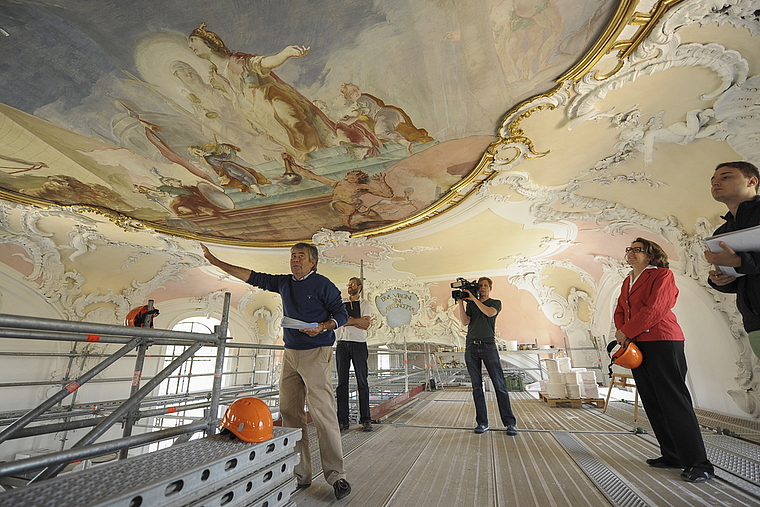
x,y
307,378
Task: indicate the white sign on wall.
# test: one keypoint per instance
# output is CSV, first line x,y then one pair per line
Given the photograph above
x,y
397,306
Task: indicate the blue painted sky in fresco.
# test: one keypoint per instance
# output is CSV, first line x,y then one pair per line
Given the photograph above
x,y
58,51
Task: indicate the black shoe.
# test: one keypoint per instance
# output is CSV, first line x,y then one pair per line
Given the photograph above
x,y
482,428
342,488
344,427
661,462
511,430
696,475
367,426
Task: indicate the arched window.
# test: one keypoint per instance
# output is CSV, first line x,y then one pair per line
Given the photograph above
x,y
197,373
188,382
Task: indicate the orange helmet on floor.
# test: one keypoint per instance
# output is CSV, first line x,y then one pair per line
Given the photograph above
x,y
628,357
249,419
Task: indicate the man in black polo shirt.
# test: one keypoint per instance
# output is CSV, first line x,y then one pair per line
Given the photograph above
x,y
479,315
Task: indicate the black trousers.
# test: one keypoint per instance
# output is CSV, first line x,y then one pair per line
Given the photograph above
x,y
476,355
661,381
347,352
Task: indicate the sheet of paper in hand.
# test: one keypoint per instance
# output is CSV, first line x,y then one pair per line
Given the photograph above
x,y
289,323
744,240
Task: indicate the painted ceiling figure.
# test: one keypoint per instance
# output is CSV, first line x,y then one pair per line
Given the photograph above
x,y
217,116
221,158
267,102
186,200
526,38
65,189
346,197
399,206
139,131
389,123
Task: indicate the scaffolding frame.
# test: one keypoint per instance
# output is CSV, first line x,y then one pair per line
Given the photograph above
x,y
53,416
126,413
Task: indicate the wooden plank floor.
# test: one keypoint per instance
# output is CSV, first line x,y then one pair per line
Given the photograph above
x,y
427,455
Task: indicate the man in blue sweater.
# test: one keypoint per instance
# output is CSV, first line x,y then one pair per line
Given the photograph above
x,y
307,359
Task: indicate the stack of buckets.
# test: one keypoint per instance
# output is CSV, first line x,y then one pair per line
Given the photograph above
x,y
566,382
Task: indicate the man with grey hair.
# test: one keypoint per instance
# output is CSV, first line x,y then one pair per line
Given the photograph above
x,y
307,360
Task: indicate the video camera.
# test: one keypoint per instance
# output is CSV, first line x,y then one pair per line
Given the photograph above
x,y
463,285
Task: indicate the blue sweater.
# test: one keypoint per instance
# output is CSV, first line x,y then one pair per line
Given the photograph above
x,y
312,299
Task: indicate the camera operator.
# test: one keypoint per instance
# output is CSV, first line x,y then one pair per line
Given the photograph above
x,y
479,315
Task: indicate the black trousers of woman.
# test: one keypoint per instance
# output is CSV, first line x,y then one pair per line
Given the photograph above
x,y
661,381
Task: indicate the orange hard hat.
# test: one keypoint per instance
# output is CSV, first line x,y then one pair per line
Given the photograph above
x,y
628,357
249,419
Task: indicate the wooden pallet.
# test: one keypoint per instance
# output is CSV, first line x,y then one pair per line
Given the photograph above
x,y
573,402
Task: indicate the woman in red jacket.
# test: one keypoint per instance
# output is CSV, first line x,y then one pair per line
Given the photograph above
x,y
644,314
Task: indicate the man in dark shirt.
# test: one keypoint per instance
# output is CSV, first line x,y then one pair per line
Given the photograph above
x,y
307,360
735,185
479,315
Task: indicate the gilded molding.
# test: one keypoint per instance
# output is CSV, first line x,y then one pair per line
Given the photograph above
x,y
608,42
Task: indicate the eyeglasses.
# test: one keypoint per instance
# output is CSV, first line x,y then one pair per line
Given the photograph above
x,y
635,249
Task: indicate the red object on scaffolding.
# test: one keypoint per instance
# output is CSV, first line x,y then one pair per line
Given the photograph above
x,y
141,317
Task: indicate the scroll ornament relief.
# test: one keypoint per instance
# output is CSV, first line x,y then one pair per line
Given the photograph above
x,y
528,274
254,312
20,226
730,115
212,303
374,250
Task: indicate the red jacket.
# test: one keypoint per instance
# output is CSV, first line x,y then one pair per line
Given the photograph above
x,y
645,312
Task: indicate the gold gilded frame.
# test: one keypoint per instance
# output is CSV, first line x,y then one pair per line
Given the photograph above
x,y
624,16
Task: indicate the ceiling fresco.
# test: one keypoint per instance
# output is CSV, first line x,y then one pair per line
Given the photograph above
x,y
252,123
538,140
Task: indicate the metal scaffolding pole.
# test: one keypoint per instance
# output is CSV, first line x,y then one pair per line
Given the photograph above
x,y
94,330
73,401
142,350
67,390
140,414
88,409
73,337
216,388
120,412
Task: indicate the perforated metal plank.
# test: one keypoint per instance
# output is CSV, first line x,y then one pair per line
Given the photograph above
x,y
735,456
613,487
160,478
270,486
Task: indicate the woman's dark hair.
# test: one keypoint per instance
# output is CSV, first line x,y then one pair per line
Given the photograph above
x,y
658,256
